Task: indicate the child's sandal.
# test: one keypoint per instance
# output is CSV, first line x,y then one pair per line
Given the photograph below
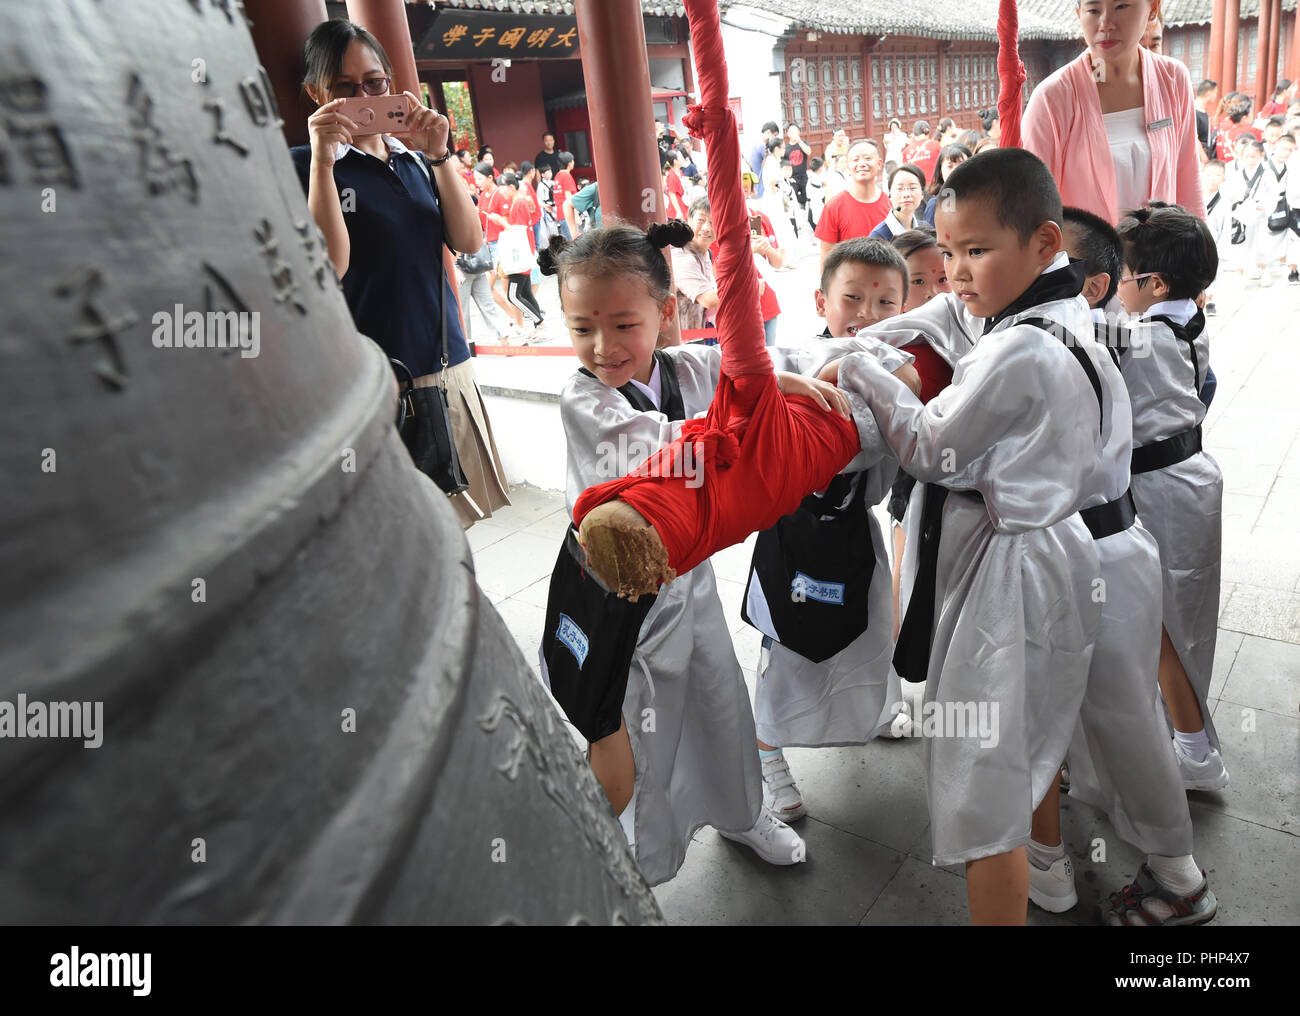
x,y
1130,907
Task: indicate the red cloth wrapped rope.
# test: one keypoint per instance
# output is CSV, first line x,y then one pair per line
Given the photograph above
x,y
1011,74
755,455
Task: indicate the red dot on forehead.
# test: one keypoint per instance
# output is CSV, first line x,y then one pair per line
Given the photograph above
x,y
595,313
875,285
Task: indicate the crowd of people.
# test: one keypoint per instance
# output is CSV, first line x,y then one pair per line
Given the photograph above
x,y
1015,357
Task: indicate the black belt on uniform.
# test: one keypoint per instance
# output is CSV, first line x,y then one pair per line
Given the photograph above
x,y
1167,452
1110,518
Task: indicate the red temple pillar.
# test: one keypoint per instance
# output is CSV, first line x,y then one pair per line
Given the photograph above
x,y
386,21
279,29
1215,71
611,35
1231,28
1293,59
1261,53
1274,41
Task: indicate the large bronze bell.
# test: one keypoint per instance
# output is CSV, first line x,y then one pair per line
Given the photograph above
x,y
307,711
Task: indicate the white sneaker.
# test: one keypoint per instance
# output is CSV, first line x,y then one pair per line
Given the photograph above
x,y
1266,277
1208,775
779,791
772,840
1053,889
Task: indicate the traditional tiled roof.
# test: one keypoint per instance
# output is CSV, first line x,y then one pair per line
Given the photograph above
x,y
657,8
1172,12
938,19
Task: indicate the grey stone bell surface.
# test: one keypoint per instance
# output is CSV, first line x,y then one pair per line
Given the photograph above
x,y
216,559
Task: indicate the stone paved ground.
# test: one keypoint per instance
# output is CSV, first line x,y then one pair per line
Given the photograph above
x,y
867,828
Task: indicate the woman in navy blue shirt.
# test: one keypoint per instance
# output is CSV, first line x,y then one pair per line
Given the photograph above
x,y
387,209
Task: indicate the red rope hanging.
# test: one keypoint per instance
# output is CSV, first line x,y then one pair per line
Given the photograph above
x,y
1011,74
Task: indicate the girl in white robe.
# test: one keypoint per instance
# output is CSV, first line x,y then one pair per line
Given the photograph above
x,y
685,710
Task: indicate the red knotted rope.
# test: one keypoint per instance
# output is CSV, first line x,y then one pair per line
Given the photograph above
x,y
1011,74
740,324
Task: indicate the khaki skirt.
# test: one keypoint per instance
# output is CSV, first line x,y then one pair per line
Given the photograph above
x,y
472,432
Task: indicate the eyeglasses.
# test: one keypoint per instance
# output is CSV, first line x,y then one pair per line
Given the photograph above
x,y
1134,278
348,89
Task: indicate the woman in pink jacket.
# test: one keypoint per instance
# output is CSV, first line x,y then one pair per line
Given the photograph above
x,y
1117,125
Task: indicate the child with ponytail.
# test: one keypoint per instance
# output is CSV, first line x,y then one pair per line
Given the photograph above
x,y
669,719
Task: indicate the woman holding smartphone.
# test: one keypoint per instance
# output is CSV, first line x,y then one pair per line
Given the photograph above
x,y
387,209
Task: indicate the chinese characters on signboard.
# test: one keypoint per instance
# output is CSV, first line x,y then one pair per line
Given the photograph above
x,y
490,35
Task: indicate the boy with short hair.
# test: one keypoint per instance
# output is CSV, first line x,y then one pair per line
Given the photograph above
x,y
1119,757
824,676
1002,615
1169,258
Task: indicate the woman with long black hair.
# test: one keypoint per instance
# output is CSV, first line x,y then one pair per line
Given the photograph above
x,y
387,210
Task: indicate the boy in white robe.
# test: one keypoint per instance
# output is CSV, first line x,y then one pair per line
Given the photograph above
x,y
1119,757
1178,488
845,696
1012,444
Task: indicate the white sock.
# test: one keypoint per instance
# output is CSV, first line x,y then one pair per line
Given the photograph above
x,y
1177,874
1196,746
628,820
1042,856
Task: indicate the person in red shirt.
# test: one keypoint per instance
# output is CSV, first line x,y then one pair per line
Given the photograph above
x,y
494,211
923,151
519,285
1276,106
565,188
860,208
767,252
528,177
674,186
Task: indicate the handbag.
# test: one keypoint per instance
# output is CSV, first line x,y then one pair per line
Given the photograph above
x,y
478,263
1279,219
424,422
813,572
423,414
514,253
588,643
1238,227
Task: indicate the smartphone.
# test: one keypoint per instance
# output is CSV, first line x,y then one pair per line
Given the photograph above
x,y
378,114
756,224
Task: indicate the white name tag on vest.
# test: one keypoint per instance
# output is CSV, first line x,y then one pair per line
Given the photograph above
x,y
1159,125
